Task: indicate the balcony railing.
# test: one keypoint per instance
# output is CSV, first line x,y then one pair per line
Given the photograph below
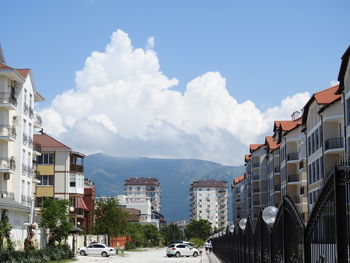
x,y
292,156
25,139
7,130
8,98
277,188
6,194
38,120
293,178
8,163
256,203
76,168
255,165
25,108
277,169
334,143
256,190
24,168
256,177
31,112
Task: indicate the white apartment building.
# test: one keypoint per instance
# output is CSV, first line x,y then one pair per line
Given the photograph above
x,y
141,204
17,121
208,200
324,126
239,191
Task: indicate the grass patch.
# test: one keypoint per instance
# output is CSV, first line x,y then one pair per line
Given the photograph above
x,y
62,261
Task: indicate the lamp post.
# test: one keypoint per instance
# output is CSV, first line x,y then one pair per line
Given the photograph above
x,y
242,223
269,215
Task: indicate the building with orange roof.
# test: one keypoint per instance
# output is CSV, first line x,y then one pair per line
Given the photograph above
x,y
60,172
18,95
238,187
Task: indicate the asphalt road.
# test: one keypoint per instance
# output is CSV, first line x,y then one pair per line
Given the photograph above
x,y
146,256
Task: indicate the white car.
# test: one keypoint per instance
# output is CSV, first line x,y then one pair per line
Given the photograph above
x,y
97,249
181,249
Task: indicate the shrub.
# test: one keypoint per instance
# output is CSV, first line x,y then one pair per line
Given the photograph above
x,y
197,242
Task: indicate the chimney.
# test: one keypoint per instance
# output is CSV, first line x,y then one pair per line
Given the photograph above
x,y
2,57
295,115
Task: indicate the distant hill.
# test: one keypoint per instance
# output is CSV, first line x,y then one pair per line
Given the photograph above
x,y
175,176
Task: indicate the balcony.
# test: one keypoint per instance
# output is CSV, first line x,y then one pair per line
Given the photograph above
x,y
334,143
277,188
31,112
6,194
8,133
25,139
292,156
30,142
24,168
7,164
293,178
38,122
76,168
276,169
256,203
256,165
256,190
8,100
256,178
25,109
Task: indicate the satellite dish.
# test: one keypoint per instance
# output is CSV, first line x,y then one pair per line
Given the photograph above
x,y
71,208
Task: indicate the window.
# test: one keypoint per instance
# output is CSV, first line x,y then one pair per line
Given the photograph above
x,y
45,179
45,158
348,111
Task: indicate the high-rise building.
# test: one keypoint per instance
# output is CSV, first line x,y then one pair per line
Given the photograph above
x,y
208,200
17,121
239,191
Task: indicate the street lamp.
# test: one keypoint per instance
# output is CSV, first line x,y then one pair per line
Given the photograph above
x,y
269,215
243,223
231,228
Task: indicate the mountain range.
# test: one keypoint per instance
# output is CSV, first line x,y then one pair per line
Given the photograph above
x,y
175,176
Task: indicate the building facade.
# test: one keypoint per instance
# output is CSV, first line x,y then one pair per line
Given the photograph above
x,y
17,122
208,200
239,188
60,174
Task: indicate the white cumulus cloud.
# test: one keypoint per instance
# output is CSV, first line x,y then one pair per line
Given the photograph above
x,y
124,105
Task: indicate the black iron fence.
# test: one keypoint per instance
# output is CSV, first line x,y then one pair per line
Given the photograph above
x,y
325,238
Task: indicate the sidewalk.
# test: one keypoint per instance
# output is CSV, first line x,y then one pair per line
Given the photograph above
x,y
209,258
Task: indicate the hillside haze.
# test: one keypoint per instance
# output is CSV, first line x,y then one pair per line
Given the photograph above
x,y
175,176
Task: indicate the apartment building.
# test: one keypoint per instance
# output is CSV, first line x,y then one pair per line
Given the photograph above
x,y
142,204
208,200
17,121
324,127
238,187
259,186
141,188
60,172
273,169
248,182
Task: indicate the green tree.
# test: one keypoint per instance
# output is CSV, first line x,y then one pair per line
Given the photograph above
x,y
111,220
55,217
171,232
198,228
151,235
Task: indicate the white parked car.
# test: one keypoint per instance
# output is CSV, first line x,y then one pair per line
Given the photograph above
x,y
181,249
97,249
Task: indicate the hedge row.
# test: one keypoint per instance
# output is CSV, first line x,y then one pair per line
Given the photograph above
x,y
37,256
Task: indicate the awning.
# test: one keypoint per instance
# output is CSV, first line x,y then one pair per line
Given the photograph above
x,y
81,204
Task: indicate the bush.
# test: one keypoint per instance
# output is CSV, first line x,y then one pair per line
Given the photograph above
x,y
37,256
197,242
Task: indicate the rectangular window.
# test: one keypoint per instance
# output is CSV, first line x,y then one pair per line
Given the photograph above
x,y
317,140
45,158
348,111
309,146
317,169
45,179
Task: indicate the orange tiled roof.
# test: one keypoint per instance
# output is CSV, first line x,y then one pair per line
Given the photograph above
x,y
247,157
47,142
327,96
271,143
23,72
254,147
5,66
238,179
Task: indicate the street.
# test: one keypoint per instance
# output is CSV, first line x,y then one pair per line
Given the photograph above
x,y
147,256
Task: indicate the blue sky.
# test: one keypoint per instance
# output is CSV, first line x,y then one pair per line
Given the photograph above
x,y
266,50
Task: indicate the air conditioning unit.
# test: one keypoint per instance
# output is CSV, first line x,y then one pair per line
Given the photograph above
x,y
6,176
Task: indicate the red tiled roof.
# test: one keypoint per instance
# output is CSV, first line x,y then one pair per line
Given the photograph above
x,y
237,180
327,96
271,143
323,97
23,72
47,142
209,183
289,125
254,147
141,181
5,66
247,157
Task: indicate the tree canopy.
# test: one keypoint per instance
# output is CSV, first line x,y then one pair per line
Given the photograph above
x,y
171,232
198,228
55,217
111,220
